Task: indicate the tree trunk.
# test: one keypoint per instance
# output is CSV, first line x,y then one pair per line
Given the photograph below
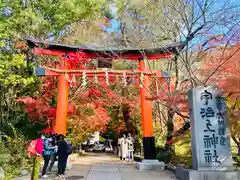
x,y
183,130
127,119
170,128
238,145
126,113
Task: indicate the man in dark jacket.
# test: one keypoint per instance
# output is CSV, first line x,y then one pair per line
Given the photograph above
x,y
62,154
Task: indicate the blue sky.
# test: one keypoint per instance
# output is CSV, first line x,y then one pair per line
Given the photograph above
x,y
222,17
115,23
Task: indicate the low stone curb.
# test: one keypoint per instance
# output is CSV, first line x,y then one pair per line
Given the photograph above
x,y
168,167
171,168
138,158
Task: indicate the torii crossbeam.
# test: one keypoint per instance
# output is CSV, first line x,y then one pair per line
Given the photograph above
x,y
66,51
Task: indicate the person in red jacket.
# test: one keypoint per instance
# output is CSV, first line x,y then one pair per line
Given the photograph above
x,y
37,158
40,145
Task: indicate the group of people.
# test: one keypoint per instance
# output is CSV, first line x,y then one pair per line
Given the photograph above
x,y
126,148
51,148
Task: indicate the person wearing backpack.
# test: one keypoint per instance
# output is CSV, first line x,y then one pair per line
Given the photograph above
x,y
62,153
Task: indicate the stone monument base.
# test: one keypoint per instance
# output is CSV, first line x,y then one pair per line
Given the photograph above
x,y
190,174
150,164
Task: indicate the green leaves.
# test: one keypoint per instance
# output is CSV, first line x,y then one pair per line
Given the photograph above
x,y
13,71
39,18
36,18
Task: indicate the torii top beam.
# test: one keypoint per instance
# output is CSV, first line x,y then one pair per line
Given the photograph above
x,y
87,52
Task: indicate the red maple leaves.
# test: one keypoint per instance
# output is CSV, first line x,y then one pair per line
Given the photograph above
x,y
222,69
88,109
38,110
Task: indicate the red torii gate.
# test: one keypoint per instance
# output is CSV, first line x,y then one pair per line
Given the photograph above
x,y
65,52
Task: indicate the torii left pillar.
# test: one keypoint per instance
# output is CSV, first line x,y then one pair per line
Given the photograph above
x,y
62,101
146,114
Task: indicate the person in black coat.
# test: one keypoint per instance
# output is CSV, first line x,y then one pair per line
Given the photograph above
x,y
62,154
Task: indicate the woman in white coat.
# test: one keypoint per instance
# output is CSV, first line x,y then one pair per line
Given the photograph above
x,y
124,147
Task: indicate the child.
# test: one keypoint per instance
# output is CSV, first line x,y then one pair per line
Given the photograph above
x,y
130,148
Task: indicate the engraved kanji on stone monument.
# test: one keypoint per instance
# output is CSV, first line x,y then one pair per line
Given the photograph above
x,y
207,112
211,157
210,141
221,116
220,102
205,95
209,129
221,127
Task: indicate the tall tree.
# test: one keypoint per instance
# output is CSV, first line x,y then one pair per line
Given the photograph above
x,y
198,29
42,19
196,24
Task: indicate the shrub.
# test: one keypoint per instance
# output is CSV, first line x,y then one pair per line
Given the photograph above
x,y
163,155
13,155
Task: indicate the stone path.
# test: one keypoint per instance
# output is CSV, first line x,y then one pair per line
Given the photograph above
x,y
106,167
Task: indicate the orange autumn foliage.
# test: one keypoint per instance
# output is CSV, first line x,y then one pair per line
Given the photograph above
x,y
222,69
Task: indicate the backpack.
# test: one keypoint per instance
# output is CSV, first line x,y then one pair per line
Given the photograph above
x,y
70,147
32,148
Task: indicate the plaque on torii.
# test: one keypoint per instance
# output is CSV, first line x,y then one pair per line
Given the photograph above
x,y
102,54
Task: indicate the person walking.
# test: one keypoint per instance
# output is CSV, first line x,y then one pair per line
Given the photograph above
x,y
36,149
124,147
130,148
48,150
53,157
119,148
62,153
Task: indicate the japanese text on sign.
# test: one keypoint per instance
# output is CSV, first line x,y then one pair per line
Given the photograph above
x,y
212,137
209,129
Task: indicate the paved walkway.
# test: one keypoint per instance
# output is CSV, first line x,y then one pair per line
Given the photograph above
x,y
106,167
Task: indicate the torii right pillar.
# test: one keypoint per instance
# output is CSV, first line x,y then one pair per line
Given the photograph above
x,y
150,161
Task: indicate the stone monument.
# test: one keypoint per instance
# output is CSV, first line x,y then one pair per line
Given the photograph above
x,y
211,150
